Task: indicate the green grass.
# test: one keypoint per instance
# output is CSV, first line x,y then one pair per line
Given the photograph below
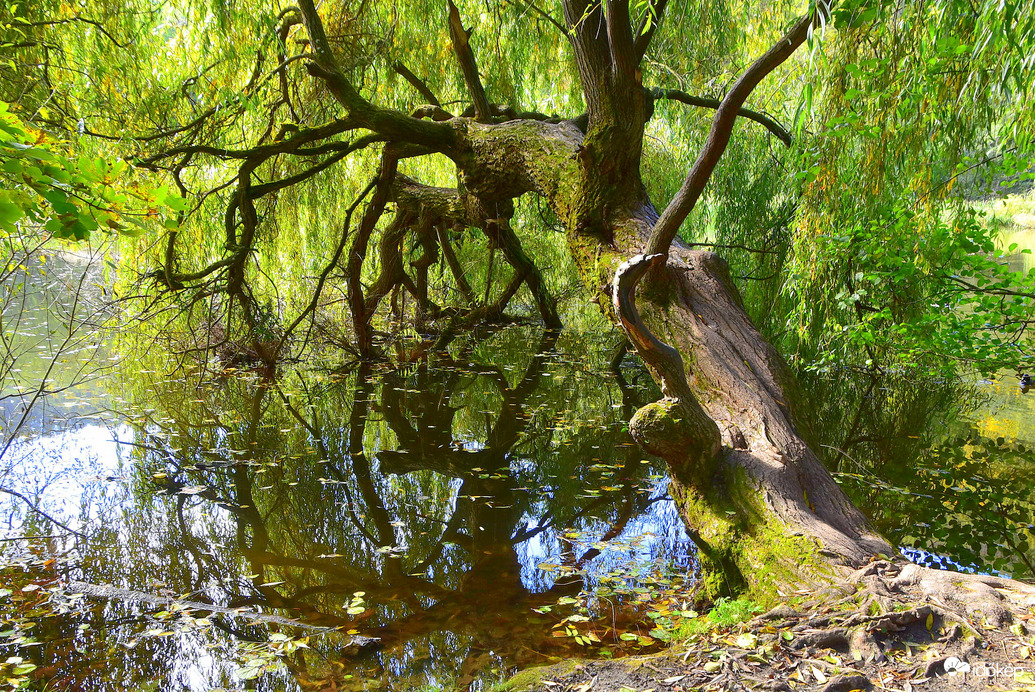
x,y
1010,214
725,613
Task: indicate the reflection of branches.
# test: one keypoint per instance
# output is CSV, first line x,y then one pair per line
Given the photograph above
x,y
35,508
26,250
324,456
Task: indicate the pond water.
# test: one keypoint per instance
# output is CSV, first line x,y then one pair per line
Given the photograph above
x,y
477,511
434,506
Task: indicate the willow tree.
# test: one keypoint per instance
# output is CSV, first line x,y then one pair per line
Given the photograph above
x,y
274,101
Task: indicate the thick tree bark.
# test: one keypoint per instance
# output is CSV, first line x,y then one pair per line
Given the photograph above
x,y
766,513
790,519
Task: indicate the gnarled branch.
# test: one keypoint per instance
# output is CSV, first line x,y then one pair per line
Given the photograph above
x,y
701,102
656,353
676,428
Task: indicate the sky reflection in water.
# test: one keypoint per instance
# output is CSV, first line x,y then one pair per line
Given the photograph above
x,y
455,500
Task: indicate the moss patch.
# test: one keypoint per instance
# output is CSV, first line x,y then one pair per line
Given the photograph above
x,y
531,678
745,550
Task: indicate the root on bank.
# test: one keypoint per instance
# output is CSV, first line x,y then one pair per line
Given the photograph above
x,y
888,626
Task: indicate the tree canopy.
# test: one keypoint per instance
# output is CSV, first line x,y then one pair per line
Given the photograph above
x,y
918,100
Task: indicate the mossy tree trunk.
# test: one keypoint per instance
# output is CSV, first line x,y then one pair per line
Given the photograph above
x,y
767,515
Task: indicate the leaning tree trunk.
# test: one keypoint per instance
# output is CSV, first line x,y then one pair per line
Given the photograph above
x,y
767,515
764,511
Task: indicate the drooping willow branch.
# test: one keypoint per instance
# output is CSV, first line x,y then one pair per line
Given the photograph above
x,y
331,264
248,193
292,145
343,150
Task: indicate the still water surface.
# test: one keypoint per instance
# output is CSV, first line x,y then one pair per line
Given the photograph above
x,y
476,512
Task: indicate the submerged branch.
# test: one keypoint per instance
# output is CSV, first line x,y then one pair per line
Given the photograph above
x,y
106,592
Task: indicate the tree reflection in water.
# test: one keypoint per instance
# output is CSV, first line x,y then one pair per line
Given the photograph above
x,y
435,490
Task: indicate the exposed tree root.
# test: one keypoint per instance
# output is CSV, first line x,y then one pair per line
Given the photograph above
x,y
888,626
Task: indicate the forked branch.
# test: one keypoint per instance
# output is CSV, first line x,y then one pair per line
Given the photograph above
x,y
392,124
647,27
718,138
